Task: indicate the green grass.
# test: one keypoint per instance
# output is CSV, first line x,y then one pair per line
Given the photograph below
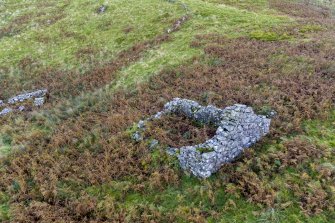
x,y
80,27
5,142
206,18
268,36
4,150
4,207
322,132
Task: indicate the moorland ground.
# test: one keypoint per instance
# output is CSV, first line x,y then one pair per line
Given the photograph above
x,y
74,160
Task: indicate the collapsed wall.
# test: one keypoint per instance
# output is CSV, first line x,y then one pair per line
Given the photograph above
x,y
238,127
39,94
14,103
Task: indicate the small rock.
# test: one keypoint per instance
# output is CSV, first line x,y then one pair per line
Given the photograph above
x,y
5,111
153,144
271,114
39,102
158,115
137,136
141,124
102,9
1,103
21,108
172,151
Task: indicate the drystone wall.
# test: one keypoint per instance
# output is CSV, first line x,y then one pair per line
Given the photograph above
x,y
238,127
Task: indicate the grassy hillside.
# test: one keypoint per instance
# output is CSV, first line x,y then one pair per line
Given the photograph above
x,y
73,160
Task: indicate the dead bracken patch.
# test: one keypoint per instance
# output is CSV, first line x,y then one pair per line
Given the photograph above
x,y
175,131
298,151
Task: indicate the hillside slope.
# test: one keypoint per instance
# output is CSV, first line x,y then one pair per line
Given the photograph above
x,y
73,160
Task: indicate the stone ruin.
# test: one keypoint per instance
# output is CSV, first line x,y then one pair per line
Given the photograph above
x,y
238,127
13,103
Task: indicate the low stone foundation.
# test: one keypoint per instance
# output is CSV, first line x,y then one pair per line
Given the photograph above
x,y
238,127
13,104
